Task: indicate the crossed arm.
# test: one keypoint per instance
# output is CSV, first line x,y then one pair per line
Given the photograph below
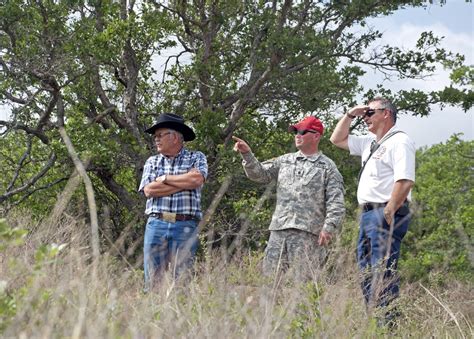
x,y
174,183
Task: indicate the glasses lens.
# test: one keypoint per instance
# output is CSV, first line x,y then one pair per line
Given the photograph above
x,y
302,131
159,136
370,112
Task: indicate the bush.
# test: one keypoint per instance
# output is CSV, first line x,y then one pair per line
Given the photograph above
x,y
442,232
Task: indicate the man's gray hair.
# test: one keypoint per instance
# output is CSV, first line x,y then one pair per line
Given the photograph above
x,y
388,105
180,135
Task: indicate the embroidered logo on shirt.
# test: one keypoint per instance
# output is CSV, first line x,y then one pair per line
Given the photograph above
x,y
380,152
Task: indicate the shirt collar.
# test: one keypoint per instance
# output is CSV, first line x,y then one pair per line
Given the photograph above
x,y
181,152
312,158
393,129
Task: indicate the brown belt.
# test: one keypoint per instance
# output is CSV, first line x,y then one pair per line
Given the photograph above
x,y
172,217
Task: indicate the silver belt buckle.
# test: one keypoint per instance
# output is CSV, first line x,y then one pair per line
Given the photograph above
x,y
169,217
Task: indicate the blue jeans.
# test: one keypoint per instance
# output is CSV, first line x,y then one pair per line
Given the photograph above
x,y
166,245
378,251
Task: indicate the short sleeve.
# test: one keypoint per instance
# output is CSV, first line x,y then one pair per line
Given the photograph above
x,y
148,175
357,144
403,158
201,164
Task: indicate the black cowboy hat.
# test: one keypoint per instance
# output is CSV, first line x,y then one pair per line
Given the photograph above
x,y
174,122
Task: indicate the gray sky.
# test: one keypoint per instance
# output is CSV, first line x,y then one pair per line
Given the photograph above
x,y
454,21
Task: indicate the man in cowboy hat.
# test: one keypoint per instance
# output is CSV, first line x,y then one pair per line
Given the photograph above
x,y
310,201
172,181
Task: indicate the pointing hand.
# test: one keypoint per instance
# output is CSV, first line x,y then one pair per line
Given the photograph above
x,y
241,146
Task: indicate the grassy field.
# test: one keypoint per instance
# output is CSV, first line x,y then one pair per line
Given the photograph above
x,y
49,291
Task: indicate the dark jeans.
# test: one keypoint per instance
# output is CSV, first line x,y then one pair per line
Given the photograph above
x,y
166,245
378,251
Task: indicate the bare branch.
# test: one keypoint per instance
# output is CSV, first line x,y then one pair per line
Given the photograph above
x,y
303,15
100,117
120,192
14,99
87,181
20,164
17,126
32,181
44,187
168,59
181,13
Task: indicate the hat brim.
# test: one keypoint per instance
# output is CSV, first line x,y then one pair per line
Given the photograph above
x,y
187,132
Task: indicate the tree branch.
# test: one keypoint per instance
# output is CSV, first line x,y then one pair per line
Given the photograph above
x,y
87,181
20,165
17,126
31,181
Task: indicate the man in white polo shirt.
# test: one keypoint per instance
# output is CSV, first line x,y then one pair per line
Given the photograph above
x,y
385,181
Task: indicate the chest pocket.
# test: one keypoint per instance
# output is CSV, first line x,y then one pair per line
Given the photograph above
x,y
183,165
286,174
316,174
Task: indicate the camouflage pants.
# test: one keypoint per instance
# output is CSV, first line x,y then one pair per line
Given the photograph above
x,y
294,250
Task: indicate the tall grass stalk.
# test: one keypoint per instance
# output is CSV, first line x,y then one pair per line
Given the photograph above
x,y
60,296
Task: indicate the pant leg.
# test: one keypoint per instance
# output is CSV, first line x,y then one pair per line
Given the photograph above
x,y
155,250
184,245
275,259
305,256
363,255
385,252
391,278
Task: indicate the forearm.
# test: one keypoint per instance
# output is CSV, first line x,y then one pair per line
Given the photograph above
x,y
335,208
156,190
188,181
340,134
334,218
254,170
400,191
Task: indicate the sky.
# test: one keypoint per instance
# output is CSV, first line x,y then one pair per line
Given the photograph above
x,y
454,20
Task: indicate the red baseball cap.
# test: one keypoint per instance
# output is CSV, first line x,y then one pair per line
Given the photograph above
x,y
308,123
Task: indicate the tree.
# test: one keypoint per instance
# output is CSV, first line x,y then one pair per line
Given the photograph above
x,y
441,235
240,67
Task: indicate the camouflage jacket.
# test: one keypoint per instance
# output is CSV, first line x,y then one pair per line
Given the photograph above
x,y
310,190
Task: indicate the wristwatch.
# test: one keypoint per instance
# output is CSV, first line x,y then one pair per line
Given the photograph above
x,y
161,178
350,115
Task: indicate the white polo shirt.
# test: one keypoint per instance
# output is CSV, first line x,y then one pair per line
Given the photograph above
x,y
394,160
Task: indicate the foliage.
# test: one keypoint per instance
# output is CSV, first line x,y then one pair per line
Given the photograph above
x,y
103,69
9,237
441,237
13,297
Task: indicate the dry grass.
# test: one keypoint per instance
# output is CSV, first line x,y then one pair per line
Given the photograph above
x,y
64,296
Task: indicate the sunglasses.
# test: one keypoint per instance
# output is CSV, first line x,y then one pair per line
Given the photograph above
x,y
302,131
371,111
159,136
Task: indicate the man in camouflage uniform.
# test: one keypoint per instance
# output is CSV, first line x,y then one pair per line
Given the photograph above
x,y
310,200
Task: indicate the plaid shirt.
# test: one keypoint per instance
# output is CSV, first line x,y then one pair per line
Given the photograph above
x,y
183,202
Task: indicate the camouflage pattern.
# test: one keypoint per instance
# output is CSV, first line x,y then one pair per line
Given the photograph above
x,y
310,191
296,250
